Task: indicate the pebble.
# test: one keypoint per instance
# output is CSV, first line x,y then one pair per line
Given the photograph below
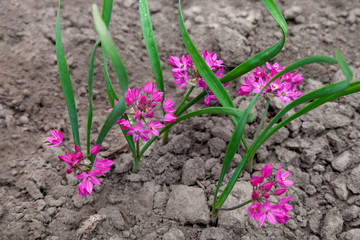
x,y
342,162
353,180
174,234
217,146
188,205
194,169
350,213
33,190
333,224
340,188
292,12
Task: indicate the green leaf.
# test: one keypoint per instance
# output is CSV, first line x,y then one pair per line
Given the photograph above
x,y
106,12
90,86
265,55
66,82
150,43
111,51
206,73
211,110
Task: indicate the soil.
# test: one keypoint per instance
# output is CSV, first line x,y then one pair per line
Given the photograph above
x,y
170,197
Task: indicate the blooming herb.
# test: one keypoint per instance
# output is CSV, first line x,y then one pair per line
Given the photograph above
x,y
185,72
261,207
79,164
285,87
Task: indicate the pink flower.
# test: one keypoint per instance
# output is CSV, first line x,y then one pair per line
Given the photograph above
x,y
56,138
209,98
102,166
157,96
285,92
149,87
256,180
179,65
169,118
124,124
167,105
153,127
280,191
270,213
95,149
266,171
259,73
268,186
181,78
254,210
282,178
86,186
283,204
71,159
246,87
274,68
68,170
137,132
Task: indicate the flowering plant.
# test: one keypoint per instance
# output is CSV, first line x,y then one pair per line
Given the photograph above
x,y
135,110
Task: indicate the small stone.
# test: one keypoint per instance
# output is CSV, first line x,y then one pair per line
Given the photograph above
x,y
333,224
113,215
292,12
342,162
88,226
33,190
174,234
217,146
340,189
201,137
319,168
210,163
194,169
351,213
312,127
278,137
310,189
353,234
180,144
124,163
222,133
353,180
160,200
314,222
23,119
188,205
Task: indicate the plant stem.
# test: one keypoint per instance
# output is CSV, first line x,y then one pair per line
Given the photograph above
x,y
235,207
249,163
165,136
137,158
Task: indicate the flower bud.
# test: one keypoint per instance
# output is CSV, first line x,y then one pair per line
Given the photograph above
x,y
95,149
149,88
280,191
68,170
77,148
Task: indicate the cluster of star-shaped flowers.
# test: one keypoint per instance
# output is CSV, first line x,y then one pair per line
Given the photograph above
x,y
185,72
284,87
78,164
142,107
262,208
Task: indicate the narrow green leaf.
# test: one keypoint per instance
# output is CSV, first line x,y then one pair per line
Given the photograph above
x,y
150,43
90,87
111,51
66,82
265,55
106,12
206,73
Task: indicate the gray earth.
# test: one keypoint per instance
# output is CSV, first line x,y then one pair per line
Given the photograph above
x,y
167,199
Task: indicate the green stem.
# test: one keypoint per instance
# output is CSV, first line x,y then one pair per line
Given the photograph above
x,y
235,207
165,136
137,158
249,163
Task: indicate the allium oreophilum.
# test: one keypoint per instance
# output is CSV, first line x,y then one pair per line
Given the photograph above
x,y
79,165
185,72
144,113
262,207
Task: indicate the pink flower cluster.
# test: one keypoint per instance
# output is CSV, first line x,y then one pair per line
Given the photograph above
x,y
142,108
284,87
261,208
185,72
77,162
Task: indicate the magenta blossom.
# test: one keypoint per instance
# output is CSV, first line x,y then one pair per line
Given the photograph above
x,y
56,138
138,131
153,127
86,186
283,87
269,212
95,149
186,73
282,178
